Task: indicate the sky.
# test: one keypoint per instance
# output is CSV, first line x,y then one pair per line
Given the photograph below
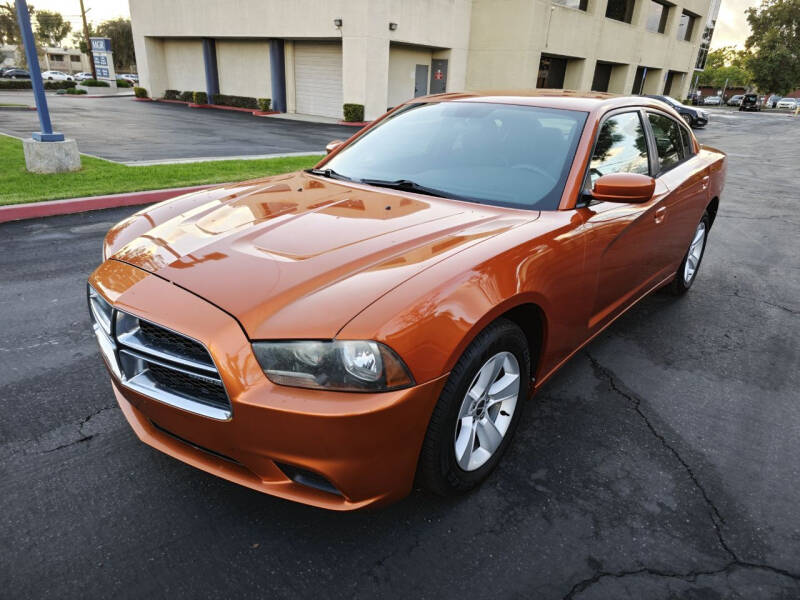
x,y
731,27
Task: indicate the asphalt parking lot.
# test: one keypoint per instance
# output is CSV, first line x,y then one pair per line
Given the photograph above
x,y
124,130
661,462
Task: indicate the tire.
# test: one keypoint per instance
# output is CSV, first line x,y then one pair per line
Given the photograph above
x,y
439,469
689,120
684,278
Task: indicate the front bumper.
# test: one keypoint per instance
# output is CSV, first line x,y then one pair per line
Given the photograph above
x,y
365,445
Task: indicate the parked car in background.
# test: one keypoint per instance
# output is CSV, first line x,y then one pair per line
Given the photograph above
x,y
735,100
750,102
56,76
129,77
787,103
695,117
713,100
334,336
773,100
14,73
82,76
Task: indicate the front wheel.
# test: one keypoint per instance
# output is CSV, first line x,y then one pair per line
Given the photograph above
x,y
689,120
478,411
687,272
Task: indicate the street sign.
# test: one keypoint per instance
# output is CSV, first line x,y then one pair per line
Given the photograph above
x,y
104,60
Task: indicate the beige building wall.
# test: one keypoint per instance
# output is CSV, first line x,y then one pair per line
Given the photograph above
x,y
184,65
243,68
403,61
489,44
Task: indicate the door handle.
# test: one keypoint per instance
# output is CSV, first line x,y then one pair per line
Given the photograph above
x,y
660,214
706,179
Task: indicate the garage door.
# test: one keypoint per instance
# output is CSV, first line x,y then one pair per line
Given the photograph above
x,y
318,78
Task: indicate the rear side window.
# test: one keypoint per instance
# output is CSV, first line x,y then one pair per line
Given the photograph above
x,y
621,147
687,142
669,142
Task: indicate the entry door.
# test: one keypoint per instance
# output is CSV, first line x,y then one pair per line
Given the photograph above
x,y
438,76
421,81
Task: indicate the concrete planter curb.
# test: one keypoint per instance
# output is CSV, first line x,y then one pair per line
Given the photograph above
x,y
355,123
49,208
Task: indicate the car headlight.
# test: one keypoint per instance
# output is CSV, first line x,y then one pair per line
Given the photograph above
x,y
342,365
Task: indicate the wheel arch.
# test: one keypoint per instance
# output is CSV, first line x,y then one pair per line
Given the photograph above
x,y
711,209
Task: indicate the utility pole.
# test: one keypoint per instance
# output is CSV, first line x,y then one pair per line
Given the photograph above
x,y
88,41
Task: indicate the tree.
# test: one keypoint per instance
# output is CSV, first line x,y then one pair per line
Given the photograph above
x,y
9,29
726,65
774,45
119,30
51,27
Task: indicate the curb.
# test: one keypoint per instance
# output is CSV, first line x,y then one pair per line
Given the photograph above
x,y
354,123
49,208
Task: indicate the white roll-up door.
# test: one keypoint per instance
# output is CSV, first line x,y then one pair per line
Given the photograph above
x,y
318,78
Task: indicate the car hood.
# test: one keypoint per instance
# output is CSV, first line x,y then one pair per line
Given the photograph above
x,y
299,256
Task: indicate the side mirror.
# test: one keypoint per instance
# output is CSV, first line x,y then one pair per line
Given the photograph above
x,y
333,146
630,188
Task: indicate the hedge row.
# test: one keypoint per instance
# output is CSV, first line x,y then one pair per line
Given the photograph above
x,y
140,92
25,84
263,104
94,83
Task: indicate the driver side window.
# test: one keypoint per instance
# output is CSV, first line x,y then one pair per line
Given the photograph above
x,y
621,147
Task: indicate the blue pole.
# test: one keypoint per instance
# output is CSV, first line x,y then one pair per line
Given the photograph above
x,y
24,20
210,62
277,69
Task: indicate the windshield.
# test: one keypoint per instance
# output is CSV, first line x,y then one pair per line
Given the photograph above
x,y
498,154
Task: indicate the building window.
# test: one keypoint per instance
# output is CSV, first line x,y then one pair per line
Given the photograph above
x,y
579,4
620,10
602,77
657,17
57,57
686,26
75,58
702,55
638,80
551,72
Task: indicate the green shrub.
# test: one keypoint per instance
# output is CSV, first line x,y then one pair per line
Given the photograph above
x,y
171,94
25,84
140,92
353,113
75,91
237,101
186,96
94,83
200,98
264,104
123,84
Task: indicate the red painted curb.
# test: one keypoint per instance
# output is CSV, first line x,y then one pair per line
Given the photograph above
x,y
49,208
355,123
144,99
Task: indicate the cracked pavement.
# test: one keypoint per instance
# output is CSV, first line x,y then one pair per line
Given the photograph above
x,y
661,462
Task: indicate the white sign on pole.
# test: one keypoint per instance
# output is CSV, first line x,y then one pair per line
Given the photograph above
x,y
104,60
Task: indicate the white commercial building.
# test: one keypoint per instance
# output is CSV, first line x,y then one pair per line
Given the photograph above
x,y
312,56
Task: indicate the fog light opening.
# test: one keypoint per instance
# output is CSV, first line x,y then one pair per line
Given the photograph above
x,y
308,479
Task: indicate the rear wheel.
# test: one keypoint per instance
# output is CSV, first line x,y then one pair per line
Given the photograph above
x,y
687,272
477,412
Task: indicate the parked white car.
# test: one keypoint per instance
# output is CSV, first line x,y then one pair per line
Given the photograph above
x,y
82,76
787,103
56,76
713,100
130,77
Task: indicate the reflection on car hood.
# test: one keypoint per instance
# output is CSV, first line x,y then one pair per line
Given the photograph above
x,y
298,256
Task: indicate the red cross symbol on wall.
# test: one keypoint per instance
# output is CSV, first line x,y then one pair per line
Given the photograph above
x,y
438,75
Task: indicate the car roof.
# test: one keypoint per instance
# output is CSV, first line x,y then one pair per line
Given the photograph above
x,y
549,98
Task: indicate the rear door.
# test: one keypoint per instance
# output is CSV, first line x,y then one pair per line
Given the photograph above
x,y
687,179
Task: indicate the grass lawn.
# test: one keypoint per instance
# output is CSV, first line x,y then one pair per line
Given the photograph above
x,y
5,104
98,177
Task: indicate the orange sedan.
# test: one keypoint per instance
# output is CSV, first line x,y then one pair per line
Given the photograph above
x,y
333,336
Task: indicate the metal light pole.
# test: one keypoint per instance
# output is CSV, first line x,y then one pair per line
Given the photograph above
x,y
24,19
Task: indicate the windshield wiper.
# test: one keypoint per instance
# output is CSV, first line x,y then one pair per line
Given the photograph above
x,y
329,173
408,185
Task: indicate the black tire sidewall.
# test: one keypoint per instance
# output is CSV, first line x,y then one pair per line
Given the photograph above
x,y
501,336
679,285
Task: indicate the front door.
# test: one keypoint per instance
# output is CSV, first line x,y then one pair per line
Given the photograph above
x,y
421,81
438,76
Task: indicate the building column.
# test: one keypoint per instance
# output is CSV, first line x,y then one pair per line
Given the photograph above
x,y
579,75
621,80
210,62
150,65
277,69
365,74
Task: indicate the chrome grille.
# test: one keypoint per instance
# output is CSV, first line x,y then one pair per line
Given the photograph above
x,y
158,362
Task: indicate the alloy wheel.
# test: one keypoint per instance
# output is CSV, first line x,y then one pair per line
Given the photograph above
x,y
695,252
486,411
